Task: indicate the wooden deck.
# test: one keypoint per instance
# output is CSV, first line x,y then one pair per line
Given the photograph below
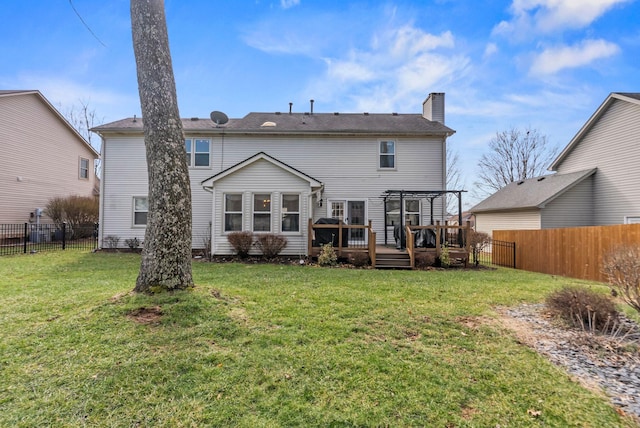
x,y
453,237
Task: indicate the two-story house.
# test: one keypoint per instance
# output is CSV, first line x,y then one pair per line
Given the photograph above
x,y
41,157
272,172
596,180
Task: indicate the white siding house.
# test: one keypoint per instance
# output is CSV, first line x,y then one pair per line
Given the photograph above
x,y
597,179
41,156
272,172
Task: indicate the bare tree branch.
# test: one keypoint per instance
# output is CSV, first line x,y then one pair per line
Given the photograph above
x,y
454,179
514,155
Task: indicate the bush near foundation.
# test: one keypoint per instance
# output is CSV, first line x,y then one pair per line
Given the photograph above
x,y
241,242
270,244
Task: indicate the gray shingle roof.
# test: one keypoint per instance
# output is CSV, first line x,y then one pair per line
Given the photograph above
x,y
296,123
531,193
635,95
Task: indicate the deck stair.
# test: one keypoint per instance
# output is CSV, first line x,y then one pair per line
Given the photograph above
x,y
393,260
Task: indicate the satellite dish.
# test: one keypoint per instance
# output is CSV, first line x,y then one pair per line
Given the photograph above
x,y
219,118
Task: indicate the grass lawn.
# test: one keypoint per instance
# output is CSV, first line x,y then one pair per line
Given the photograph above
x,y
269,346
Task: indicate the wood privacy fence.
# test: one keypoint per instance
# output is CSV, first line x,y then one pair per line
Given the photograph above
x,y
576,252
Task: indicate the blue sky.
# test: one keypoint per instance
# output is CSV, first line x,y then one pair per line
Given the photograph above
x,y
547,64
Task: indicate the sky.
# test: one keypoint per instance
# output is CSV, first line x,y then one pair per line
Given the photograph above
x,y
541,64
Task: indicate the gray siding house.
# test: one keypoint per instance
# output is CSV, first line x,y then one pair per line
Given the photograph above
x,y
272,172
596,180
41,156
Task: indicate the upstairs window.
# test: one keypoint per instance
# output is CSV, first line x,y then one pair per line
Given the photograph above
x,y
262,212
198,152
290,213
387,155
140,210
233,212
84,168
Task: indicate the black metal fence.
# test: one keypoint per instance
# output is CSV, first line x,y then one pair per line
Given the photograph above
x,y
33,237
498,253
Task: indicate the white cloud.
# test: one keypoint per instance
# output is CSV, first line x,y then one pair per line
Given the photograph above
x,y
400,63
555,59
286,4
545,16
490,49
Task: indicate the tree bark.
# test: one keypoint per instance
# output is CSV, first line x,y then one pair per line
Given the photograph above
x,y
166,254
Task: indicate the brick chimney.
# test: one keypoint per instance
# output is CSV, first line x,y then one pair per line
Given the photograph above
x,y
433,107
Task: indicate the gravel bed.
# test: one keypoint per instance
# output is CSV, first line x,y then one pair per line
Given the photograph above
x,y
609,362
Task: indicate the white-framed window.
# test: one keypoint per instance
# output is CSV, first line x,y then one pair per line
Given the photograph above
x,y
411,211
198,152
290,213
387,155
233,212
631,219
84,168
337,210
262,212
140,210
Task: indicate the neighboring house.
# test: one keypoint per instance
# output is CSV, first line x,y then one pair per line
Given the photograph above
x,y
272,172
597,179
41,156
467,216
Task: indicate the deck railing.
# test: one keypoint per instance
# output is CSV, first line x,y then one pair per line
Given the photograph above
x,y
455,237
345,238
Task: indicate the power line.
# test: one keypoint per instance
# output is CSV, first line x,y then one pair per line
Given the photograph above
x,y
85,24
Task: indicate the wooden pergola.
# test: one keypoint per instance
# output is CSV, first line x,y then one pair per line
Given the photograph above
x,y
430,195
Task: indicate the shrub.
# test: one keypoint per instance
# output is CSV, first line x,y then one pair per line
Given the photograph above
x,y
478,242
241,242
132,243
327,256
206,243
445,260
271,244
359,259
79,212
111,241
425,260
583,308
622,268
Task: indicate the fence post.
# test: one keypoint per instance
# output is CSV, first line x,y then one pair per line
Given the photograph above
x,y
514,255
26,227
64,235
96,232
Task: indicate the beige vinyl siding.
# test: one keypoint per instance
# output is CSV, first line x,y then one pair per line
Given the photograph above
x,y
39,158
271,180
571,209
613,146
512,220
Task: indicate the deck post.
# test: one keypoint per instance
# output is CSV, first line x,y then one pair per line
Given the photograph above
x,y
310,238
467,239
339,239
438,235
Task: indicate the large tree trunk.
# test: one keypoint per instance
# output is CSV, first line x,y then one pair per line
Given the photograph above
x,y
166,255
